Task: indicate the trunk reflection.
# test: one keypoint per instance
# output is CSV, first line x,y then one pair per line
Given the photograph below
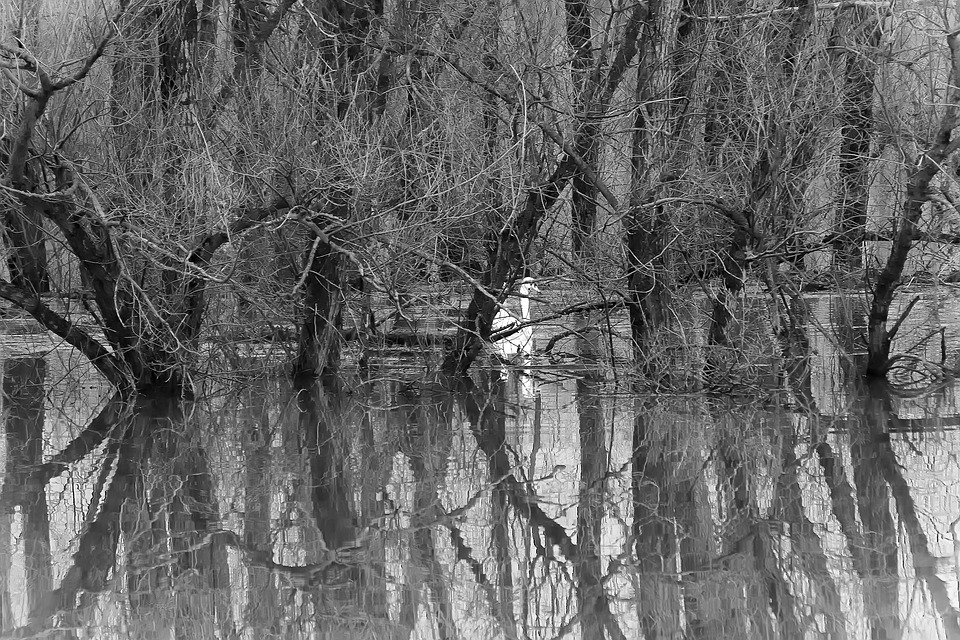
x,y
24,393
515,506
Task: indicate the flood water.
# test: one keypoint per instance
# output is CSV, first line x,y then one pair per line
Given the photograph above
x,y
540,501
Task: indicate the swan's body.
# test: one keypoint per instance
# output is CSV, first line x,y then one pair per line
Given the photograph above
x,y
522,340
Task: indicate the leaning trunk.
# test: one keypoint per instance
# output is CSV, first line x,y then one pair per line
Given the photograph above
x,y
879,337
504,267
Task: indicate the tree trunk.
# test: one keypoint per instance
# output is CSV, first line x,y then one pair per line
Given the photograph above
x,y
855,135
583,197
23,221
645,223
733,266
649,295
666,142
319,342
318,351
26,244
505,265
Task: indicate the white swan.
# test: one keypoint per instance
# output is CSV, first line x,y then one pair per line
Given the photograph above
x,y
522,340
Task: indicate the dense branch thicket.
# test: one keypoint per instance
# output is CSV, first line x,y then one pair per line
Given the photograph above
x,y
180,172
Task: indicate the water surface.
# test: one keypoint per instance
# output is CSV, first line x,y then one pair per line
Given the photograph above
x,y
539,501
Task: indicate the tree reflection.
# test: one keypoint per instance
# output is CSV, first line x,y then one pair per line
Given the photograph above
x,y
407,509
809,557
426,442
345,595
263,610
95,560
873,542
24,394
880,571
592,601
591,598
879,464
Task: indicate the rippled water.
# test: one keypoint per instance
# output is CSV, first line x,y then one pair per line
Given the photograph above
x,y
536,502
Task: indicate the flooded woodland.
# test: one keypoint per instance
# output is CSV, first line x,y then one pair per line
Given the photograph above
x,y
539,499
479,319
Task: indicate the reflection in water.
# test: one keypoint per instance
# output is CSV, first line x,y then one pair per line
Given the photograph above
x,y
592,598
24,392
881,422
880,562
402,510
256,436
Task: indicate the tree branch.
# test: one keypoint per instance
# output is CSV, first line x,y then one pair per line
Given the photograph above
x,y
105,362
548,130
88,63
842,6
249,218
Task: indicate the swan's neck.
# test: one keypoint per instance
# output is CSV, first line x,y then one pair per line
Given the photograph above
x,y
524,308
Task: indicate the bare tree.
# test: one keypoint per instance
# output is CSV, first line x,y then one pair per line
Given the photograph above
x,y
509,245
928,163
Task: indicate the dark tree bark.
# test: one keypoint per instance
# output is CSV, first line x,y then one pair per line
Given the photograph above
x,y
178,30
25,236
779,161
666,142
23,219
733,266
143,356
318,351
23,223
